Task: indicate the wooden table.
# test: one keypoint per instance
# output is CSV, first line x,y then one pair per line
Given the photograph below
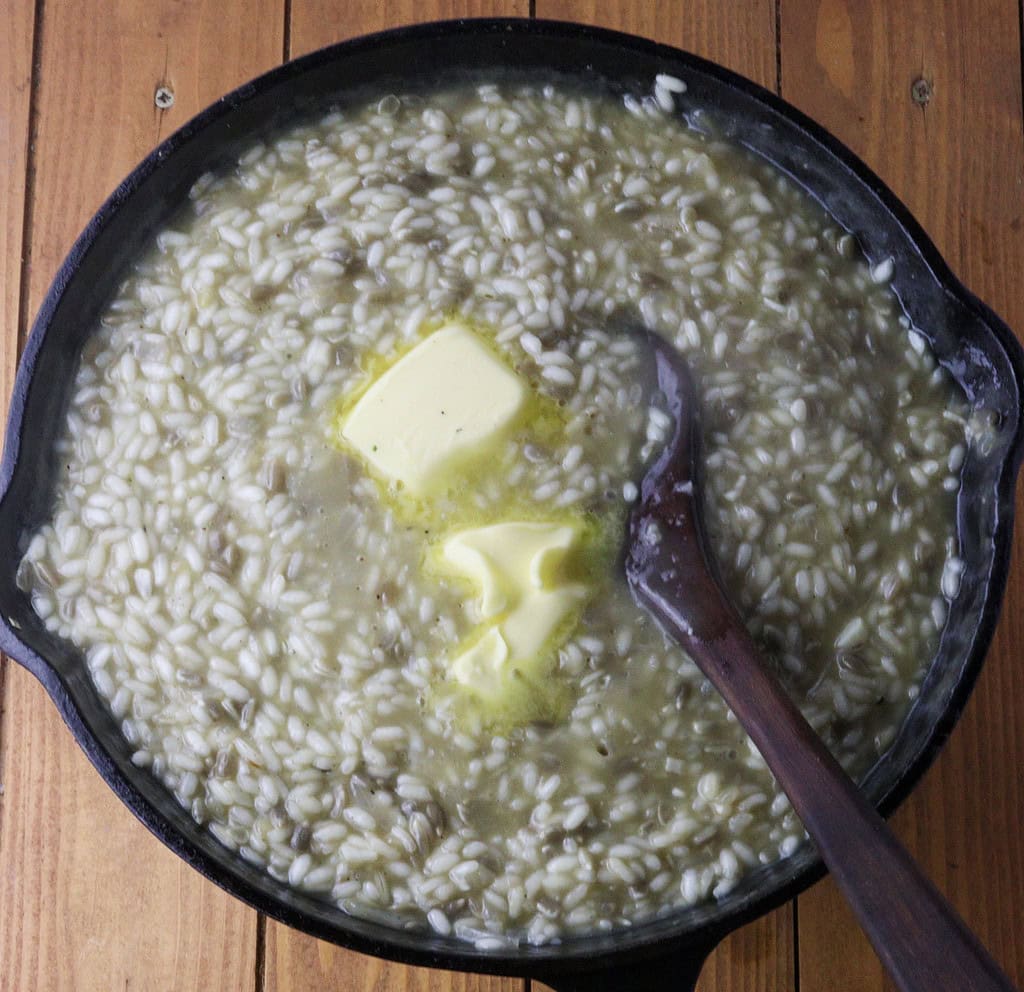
x,y
929,93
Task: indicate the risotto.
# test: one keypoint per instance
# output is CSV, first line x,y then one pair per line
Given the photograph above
x,y
262,616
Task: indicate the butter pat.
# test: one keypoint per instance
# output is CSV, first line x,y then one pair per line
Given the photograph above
x,y
440,405
527,593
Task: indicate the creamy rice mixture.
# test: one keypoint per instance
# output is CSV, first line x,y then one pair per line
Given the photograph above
x,y
260,621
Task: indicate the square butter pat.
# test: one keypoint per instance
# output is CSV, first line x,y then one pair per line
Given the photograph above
x,y
447,400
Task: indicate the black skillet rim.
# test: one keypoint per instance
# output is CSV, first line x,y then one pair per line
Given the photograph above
x,y
623,946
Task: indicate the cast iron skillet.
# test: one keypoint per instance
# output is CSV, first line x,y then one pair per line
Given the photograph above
x,y
977,348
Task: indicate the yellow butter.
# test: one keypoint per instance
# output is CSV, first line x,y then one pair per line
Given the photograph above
x,y
483,666
527,592
446,401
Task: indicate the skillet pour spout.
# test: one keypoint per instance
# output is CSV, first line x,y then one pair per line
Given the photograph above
x,y
969,340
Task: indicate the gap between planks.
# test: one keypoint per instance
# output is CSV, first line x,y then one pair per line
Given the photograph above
x,y
27,213
28,210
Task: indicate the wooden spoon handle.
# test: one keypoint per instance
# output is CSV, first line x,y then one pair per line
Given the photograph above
x,y
916,933
918,936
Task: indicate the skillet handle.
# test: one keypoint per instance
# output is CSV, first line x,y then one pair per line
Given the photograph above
x,y
675,971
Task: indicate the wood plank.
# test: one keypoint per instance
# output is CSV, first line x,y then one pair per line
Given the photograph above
x,y
316,23
62,847
741,37
102,63
91,900
298,963
760,956
18,16
958,162
294,961
15,107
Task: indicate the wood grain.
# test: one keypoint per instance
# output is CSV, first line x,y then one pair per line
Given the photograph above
x,y
761,955
295,962
958,162
741,37
16,42
87,899
298,963
315,23
738,35
18,18
90,900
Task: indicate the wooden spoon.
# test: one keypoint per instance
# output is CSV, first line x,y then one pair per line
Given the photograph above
x,y
920,939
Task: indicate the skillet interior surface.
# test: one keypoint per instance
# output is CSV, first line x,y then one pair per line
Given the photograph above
x,y
969,340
